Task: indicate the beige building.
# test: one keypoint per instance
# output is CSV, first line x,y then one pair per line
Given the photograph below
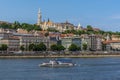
x,y
49,24
15,40
112,45
22,31
68,40
94,42
27,39
11,41
115,37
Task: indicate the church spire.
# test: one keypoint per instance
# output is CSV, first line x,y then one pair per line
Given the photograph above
x,y
39,11
39,17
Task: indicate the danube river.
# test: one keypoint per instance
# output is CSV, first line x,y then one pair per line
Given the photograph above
x,y
86,69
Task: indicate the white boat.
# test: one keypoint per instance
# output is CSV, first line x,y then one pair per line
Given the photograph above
x,y
58,63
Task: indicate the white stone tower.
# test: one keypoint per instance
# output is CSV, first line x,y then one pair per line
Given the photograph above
x,y
39,17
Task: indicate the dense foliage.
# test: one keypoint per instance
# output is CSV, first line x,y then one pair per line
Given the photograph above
x,y
73,47
52,30
37,47
84,46
22,48
55,47
3,47
89,29
17,25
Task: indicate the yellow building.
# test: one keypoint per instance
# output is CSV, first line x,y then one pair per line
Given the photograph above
x,y
61,27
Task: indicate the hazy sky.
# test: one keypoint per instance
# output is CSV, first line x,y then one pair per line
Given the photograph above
x,y
103,14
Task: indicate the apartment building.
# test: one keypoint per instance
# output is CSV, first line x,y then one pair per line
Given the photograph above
x,y
27,39
67,41
11,41
113,45
95,42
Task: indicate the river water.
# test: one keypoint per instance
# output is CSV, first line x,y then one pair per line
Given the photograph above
x,y
86,69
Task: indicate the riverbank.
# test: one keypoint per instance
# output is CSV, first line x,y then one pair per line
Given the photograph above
x,y
56,56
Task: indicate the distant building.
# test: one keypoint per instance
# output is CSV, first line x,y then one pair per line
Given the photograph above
x,y
7,30
11,41
54,38
99,43
79,27
92,42
95,42
113,45
115,37
49,24
84,40
67,41
27,39
22,31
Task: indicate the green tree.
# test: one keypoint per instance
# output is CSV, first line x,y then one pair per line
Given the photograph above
x,y
84,46
22,48
5,25
31,47
40,47
56,47
52,30
73,31
27,26
60,47
102,32
79,48
16,25
53,47
103,46
79,32
37,28
4,47
67,31
89,28
73,47
47,34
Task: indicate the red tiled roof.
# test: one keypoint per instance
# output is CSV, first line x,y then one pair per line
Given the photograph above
x,y
14,37
66,35
111,41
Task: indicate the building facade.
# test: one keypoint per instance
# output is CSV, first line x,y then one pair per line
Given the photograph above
x,y
11,41
67,41
27,39
95,42
112,45
61,27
